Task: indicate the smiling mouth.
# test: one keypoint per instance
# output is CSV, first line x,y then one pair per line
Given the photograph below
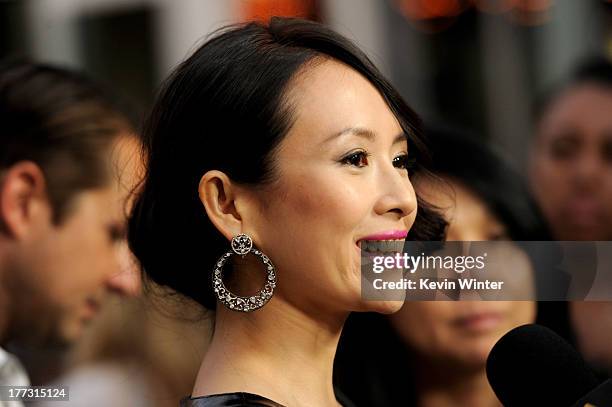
x,y
381,247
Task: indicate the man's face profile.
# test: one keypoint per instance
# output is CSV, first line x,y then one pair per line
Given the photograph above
x,y
59,274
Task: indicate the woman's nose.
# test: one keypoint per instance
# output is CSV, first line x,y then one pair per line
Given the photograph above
x,y
396,193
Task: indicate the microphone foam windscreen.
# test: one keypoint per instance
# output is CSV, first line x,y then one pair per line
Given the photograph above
x,y
533,366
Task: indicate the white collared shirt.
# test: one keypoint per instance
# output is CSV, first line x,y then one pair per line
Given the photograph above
x,y
12,373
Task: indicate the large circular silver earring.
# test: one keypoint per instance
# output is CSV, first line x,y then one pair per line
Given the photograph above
x,y
242,244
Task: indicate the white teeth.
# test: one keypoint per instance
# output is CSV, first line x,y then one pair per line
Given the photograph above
x,y
392,245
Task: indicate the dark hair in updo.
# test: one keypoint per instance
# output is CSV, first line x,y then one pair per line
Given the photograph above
x,y
223,108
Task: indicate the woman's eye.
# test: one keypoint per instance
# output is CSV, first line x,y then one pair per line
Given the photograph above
x,y
358,159
403,162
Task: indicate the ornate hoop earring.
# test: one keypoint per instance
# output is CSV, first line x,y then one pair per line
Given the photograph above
x,y
242,244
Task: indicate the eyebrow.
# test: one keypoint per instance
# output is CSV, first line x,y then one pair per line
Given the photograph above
x,y
364,133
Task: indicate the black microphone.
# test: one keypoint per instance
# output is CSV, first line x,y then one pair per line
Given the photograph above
x,y
533,366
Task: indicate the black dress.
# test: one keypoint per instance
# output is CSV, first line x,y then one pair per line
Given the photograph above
x,y
229,400
244,400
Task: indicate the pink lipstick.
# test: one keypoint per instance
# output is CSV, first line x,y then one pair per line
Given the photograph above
x,y
387,235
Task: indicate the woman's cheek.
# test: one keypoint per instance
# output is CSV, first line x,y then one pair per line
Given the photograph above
x,y
333,199
409,220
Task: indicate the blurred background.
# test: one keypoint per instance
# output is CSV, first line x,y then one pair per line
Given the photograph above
x,y
475,63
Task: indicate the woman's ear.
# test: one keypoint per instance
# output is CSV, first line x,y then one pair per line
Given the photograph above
x,y
227,205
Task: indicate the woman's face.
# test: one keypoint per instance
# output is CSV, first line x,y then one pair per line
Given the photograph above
x,y
571,164
461,332
341,177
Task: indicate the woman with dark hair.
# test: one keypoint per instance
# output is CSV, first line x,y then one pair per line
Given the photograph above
x,y
433,353
276,146
570,172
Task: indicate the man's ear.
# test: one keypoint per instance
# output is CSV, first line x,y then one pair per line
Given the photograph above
x,y
23,198
227,205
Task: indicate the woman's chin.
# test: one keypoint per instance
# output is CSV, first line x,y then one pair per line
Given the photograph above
x,y
477,358
383,307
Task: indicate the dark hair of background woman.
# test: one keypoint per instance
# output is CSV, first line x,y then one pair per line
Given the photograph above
x,y
460,156
373,364
594,69
224,108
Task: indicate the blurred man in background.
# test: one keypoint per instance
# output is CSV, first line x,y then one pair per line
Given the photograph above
x,y
571,177
65,174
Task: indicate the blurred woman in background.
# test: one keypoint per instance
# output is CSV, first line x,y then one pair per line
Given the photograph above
x,y
433,353
570,172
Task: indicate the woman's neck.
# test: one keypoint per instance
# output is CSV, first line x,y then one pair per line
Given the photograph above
x,y
276,352
438,386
